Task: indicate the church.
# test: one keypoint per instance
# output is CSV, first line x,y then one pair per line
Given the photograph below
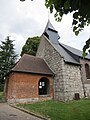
x,y
57,72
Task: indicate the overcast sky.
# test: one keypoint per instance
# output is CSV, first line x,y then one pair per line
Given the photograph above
x,y
21,20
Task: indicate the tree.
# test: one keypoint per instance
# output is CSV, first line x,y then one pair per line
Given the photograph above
x,y
31,46
81,14
7,57
80,10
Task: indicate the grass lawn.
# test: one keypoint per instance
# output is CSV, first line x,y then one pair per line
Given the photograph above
x,y
74,110
1,95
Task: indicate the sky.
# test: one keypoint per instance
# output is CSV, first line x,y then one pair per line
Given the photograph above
x,y
21,20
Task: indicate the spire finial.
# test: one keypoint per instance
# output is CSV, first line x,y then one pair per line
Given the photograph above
x,y
48,15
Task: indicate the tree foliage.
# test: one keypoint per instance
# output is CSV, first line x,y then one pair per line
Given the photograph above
x,y
81,14
31,46
7,57
80,10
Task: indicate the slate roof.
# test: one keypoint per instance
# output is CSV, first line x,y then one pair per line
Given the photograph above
x,y
67,57
32,64
49,26
52,33
70,54
74,51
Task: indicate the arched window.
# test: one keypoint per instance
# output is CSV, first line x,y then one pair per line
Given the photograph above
x,y
43,86
87,71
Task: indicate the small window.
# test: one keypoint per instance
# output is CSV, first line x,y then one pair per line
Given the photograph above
x,y
87,71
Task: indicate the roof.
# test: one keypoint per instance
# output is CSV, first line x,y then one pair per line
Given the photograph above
x,y
74,50
67,57
50,26
70,54
32,64
71,49
52,33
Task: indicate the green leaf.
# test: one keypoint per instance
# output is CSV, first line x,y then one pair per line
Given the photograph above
x,y
56,14
84,54
74,22
74,28
88,41
66,5
75,15
81,25
51,8
76,33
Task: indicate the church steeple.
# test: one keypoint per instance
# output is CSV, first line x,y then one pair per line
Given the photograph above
x,y
51,33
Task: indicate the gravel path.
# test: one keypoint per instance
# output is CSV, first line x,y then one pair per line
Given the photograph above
x,y
9,113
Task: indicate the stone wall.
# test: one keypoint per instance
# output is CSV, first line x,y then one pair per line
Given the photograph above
x,y
72,82
55,62
23,87
67,80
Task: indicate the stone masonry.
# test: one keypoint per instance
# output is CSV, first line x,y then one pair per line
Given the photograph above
x,y
67,80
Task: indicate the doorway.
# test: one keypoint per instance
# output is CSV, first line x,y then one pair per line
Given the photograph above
x,y
44,86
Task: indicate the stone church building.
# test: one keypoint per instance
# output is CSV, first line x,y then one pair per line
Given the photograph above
x,y
56,72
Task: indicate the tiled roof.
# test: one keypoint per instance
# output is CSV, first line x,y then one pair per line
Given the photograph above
x,y
32,64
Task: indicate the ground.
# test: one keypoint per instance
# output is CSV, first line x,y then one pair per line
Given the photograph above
x,y
56,110
9,113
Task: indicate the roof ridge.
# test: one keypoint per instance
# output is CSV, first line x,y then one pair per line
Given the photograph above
x,y
31,56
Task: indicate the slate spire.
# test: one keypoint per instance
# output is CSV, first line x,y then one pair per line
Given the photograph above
x,y
51,33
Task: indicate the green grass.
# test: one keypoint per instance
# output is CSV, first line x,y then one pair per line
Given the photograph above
x,y
74,110
1,87
1,95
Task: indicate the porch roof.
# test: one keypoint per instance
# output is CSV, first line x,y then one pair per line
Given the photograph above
x,y
32,64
